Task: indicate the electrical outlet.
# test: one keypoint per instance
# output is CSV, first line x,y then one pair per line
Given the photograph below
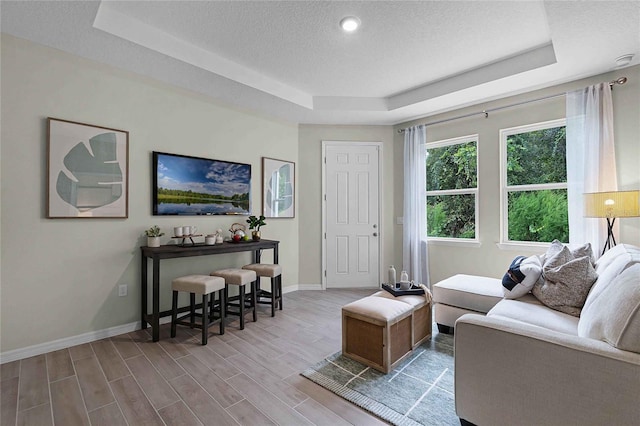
x,y
122,290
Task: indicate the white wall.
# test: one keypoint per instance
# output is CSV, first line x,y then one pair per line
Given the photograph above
x,y
488,259
310,191
60,277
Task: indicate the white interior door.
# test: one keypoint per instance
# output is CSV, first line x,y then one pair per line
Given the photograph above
x,y
351,215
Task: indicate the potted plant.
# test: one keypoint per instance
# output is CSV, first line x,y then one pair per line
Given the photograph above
x,y
153,236
256,222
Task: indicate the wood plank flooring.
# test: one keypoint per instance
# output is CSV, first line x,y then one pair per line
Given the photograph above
x,y
244,377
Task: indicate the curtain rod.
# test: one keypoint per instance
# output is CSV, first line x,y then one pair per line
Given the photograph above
x,y
485,112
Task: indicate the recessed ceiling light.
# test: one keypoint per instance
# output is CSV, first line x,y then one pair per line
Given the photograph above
x,y
350,24
624,60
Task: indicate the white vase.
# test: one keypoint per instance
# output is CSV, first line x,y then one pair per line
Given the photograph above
x,y
153,241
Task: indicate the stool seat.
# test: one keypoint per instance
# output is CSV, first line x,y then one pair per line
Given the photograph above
x,y
198,284
239,278
273,271
203,285
235,276
264,269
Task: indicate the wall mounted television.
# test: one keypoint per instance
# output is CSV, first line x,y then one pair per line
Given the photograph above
x,y
194,186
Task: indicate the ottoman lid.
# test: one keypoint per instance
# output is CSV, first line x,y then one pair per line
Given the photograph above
x,y
378,308
416,301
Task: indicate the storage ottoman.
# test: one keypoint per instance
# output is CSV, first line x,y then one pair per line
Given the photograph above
x,y
464,294
421,317
377,332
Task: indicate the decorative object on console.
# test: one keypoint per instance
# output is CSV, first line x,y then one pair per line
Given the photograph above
x,y
238,231
278,188
611,205
153,236
256,222
87,170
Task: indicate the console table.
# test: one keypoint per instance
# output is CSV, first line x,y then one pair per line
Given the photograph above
x,y
174,251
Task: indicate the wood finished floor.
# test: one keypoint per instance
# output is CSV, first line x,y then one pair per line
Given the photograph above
x,y
245,377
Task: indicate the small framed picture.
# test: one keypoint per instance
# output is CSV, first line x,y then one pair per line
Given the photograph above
x,y
278,188
87,170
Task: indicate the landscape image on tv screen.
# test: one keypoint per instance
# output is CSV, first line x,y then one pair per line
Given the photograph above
x,y
185,185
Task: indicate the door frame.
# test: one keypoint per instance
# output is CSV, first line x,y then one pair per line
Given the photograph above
x,y
323,235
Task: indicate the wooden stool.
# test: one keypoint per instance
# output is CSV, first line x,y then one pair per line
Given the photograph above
x,y
275,273
204,285
239,277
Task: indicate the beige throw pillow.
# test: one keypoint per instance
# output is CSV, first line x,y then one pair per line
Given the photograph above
x,y
565,281
614,316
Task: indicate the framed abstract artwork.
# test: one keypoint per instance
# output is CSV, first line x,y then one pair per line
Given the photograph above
x,y
278,188
87,170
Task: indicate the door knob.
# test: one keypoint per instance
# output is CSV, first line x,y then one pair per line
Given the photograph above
x,y
375,234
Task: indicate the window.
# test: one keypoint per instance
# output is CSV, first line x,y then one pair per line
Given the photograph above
x,y
452,188
534,183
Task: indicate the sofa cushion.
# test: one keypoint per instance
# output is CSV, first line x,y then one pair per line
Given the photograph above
x,y
565,281
610,265
529,310
471,292
521,276
614,316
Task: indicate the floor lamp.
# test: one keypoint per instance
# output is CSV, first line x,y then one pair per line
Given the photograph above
x,y
612,205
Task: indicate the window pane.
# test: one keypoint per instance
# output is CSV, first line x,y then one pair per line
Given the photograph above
x,y
539,216
452,167
537,157
451,216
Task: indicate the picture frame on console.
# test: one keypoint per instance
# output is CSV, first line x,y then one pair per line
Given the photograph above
x,y
278,188
87,171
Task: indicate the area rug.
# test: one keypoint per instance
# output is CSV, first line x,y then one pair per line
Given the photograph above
x,y
419,391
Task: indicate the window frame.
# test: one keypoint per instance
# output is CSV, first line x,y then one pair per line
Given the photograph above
x,y
506,189
464,191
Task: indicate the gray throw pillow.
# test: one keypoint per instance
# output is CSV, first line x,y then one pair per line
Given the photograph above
x,y
584,250
565,282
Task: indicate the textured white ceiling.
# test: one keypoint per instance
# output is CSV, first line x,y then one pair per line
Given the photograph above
x,y
290,58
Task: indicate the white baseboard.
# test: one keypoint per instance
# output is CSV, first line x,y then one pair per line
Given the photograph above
x,y
309,286
92,336
68,342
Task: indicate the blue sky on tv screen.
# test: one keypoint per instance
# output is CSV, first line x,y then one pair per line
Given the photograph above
x,y
202,175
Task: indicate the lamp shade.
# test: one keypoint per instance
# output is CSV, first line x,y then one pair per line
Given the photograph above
x,y
612,204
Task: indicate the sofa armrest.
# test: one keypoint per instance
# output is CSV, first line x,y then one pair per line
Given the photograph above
x,y
508,372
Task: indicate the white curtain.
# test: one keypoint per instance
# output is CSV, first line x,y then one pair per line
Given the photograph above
x,y
591,159
414,232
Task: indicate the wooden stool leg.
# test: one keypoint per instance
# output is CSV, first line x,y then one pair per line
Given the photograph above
x,y
254,299
223,302
192,299
274,295
205,318
279,284
241,300
174,313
